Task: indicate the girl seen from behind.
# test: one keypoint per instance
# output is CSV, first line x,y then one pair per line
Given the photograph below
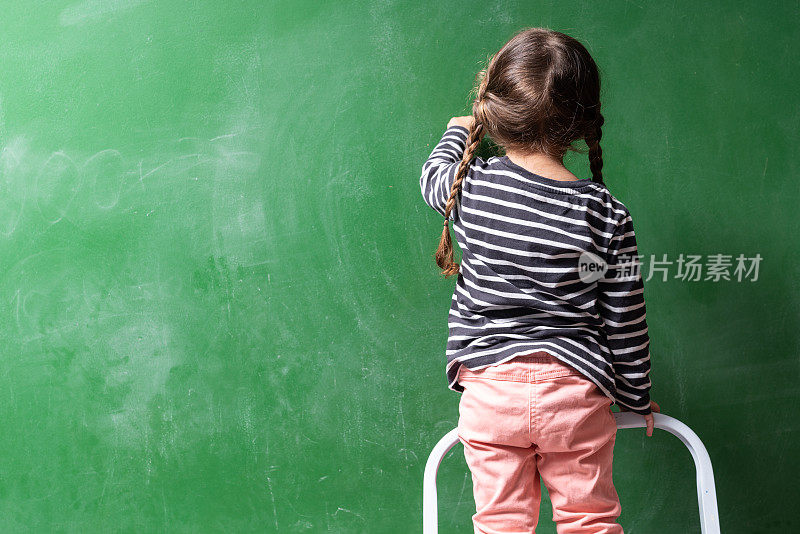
x,y
547,324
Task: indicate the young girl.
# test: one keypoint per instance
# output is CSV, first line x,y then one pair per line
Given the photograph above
x,y
547,321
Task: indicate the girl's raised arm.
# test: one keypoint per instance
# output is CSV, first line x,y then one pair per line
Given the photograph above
x,y
439,171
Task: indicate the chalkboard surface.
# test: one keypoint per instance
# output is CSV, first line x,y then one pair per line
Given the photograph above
x,y
219,307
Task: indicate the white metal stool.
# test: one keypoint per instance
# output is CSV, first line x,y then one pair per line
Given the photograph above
x,y
706,492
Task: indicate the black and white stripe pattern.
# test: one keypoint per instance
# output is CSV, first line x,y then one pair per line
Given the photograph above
x,y
519,290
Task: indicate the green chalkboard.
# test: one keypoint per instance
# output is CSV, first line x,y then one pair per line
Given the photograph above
x,y
219,307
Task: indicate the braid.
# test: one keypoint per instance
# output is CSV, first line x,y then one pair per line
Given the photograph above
x,y
484,83
595,152
444,254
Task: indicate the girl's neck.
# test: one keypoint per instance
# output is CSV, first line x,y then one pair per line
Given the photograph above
x,y
542,165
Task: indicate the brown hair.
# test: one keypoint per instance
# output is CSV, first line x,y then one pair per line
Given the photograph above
x,y
539,93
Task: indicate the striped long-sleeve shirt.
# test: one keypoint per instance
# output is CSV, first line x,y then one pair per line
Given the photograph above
x,y
520,288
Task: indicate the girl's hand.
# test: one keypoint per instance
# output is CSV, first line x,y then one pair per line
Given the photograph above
x,y
647,418
465,122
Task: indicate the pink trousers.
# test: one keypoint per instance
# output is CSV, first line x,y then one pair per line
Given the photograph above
x,y
534,415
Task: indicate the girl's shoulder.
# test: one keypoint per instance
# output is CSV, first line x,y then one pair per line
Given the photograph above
x,y
487,163
616,206
479,166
